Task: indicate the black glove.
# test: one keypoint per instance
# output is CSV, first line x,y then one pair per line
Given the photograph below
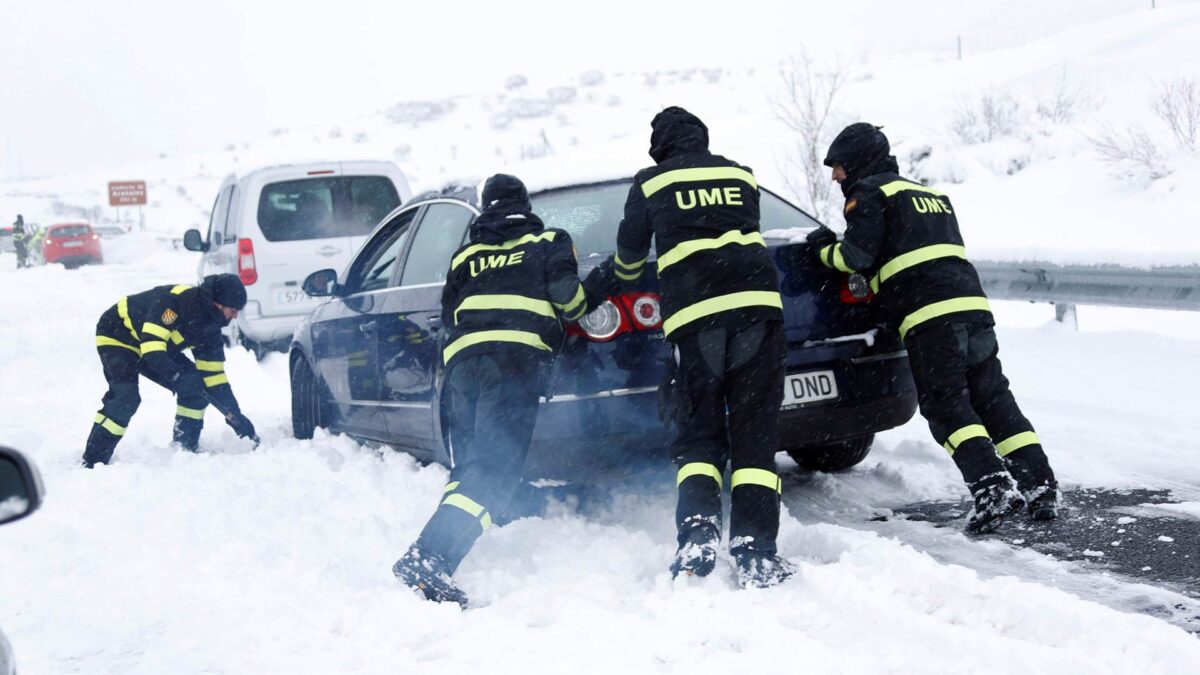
x,y
820,238
241,425
189,385
601,283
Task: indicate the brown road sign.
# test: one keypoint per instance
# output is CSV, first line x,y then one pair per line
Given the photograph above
x,y
127,193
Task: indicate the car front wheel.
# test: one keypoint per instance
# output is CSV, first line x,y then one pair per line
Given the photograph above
x,y
306,400
836,456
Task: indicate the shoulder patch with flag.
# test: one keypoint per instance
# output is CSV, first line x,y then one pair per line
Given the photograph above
x,y
169,316
850,205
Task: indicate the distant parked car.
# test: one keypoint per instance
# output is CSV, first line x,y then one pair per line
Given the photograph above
x,y
110,231
272,227
6,242
20,495
72,244
368,361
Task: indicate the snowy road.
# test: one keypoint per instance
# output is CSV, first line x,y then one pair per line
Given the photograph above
x,y
279,560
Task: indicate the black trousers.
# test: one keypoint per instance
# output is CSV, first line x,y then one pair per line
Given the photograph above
x,y
731,382
965,397
493,401
22,251
122,367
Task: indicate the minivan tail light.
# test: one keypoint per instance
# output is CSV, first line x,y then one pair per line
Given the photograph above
x,y
246,269
855,290
620,314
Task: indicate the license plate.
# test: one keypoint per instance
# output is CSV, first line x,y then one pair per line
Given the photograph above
x,y
819,385
72,244
291,296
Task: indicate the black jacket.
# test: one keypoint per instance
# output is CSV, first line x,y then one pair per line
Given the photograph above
x,y
702,212
904,237
511,286
159,323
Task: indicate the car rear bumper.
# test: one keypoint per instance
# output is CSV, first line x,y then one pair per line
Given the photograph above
x,y
885,397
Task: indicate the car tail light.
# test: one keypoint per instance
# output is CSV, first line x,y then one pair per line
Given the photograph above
x,y
856,290
246,269
620,314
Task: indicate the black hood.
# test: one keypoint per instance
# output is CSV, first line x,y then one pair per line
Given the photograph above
x,y
507,213
675,131
862,150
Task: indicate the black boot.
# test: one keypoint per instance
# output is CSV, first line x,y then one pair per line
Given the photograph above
x,y
186,433
756,569
995,500
1035,480
1043,502
100,446
428,574
697,554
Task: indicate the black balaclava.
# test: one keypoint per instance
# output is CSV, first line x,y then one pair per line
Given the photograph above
x,y
676,130
862,150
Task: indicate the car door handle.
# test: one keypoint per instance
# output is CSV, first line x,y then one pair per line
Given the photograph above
x,y
368,327
434,322
328,251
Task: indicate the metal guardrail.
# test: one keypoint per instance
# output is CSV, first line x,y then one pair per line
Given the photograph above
x,y
1154,288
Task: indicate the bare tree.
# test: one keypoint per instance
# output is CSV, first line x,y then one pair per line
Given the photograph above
x,y
1177,103
806,104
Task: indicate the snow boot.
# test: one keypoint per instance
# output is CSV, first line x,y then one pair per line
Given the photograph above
x,y
1043,502
427,573
756,569
697,554
994,503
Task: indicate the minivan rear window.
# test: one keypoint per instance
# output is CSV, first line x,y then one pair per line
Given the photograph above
x,y
319,208
70,231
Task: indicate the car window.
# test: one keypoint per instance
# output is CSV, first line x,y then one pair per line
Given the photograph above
x,y
591,214
235,207
373,268
319,208
219,214
70,231
439,235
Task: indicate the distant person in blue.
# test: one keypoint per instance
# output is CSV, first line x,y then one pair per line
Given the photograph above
x,y
19,238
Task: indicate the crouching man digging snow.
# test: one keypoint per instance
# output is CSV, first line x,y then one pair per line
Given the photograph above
x,y
905,237
506,294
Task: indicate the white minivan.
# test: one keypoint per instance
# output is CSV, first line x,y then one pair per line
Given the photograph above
x,y
275,226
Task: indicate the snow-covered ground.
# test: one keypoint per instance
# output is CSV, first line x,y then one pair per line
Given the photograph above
x,y
279,560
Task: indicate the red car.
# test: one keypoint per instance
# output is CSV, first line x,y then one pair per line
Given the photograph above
x,y
72,244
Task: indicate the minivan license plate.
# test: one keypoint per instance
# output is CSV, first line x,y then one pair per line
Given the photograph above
x,y
819,385
291,296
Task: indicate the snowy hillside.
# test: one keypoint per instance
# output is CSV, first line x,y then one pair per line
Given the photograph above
x,y
279,560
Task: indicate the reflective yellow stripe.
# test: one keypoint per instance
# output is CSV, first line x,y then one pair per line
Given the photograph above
x,y
691,175
901,185
1013,443
176,290
479,248
176,337
913,258
767,479
109,425
627,276
156,330
103,341
470,506
577,303
450,487
698,469
721,303
686,248
472,339
941,309
210,366
192,413
964,434
500,301
123,312
216,380
832,257
154,346
633,266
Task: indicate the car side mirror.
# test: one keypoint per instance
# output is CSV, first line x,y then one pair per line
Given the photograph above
x,y
321,284
193,242
20,486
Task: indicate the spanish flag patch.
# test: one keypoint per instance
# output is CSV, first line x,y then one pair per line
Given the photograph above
x,y
169,316
850,205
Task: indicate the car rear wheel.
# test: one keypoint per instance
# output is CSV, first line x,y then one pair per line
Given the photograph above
x,y
837,456
306,400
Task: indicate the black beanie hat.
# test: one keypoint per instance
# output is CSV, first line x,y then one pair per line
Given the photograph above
x,y
226,290
673,129
507,189
858,145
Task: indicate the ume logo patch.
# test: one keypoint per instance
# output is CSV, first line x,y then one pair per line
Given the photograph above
x,y
689,199
491,262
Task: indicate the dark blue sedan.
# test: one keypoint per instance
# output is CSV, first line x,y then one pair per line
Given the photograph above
x,y
367,361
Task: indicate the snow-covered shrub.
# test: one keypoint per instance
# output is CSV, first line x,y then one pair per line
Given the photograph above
x,y
1065,101
991,116
417,112
591,78
1135,152
562,94
516,82
1177,104
528,108
335,132
360,137
1131,153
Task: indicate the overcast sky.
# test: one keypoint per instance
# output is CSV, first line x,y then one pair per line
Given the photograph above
x,y
85,83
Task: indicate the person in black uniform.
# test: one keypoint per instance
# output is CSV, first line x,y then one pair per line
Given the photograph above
x,y
506,294
20,245
724,315
145,334
905,238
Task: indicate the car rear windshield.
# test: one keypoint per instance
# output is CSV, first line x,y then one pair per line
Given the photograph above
x,y
592,213
70,231
319,208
